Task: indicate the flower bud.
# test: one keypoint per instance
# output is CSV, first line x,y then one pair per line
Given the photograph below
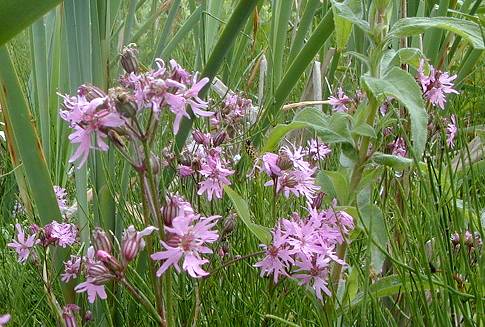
x,y
69,315
200,138
229,224
169,211
88,316
219,138
129,58
111,262
90,92
155,163
168,154
99,274
101,241
130,244
455,239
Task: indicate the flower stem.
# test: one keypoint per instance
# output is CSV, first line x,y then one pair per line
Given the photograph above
x,y
139,296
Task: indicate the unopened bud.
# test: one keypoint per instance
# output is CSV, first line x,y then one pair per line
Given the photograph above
x,y
129,58
131,245
155,163
111,262
219,138
88,316
168,154
90,92
69,315
99,274
200,138
169,211
455,239
284,161
101,241
229,224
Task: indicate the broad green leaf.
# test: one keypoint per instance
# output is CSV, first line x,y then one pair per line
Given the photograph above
x,y
351,11
17,114
261,232
409,56
395,162
343,29
335,184
15,15
401,85
364,129
470,31
330,128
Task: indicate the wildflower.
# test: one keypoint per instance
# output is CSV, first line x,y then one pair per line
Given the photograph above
x,y
216,178
189,235
451,131
69,315
101,240
133,241
185,171
398,147
340,101
278,258
436,85
61,234
179,74
175,206
270,164
92,289
61,196
72,268
177,102
4,319
312,273
298,183
21,245
87,119
317,150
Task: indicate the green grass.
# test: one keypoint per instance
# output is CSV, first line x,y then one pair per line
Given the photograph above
x,y
424,280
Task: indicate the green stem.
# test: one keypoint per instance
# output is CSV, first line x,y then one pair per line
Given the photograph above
x,y
155,280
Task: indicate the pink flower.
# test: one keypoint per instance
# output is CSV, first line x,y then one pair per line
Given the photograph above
x,y
69,315
179,74
340,102
278,258
298,183
92,289
216,178
21,245
177,103
89,118
4,320
188,237
72,267
61,234
436,85
314,274
184,170
398,147
451,131
317,150
270,165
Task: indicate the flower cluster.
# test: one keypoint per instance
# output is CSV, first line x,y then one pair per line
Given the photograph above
x,y
171,87
54,233
304,247
451,131
398,147
233,113
91,114
4,319
204,158
187,239
289,171
435,85
100,265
